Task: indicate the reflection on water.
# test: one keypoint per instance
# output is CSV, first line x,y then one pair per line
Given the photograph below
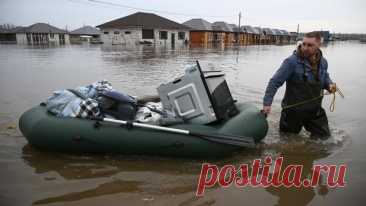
x,y
28,75
159,176
108,188
300,154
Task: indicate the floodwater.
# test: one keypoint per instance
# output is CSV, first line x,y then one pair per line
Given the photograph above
x,y
28,75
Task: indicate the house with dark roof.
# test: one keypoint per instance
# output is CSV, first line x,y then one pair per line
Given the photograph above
x,y
236,32
262,37
270,36
251,35
286,37
278,36
201,32
223,32
86,33
41,34
294,36
143,27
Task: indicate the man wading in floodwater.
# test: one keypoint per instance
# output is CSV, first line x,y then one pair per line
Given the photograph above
x,y
305,73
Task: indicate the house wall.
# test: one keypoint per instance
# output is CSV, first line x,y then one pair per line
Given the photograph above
x,y
201,37
198,37
286,39
243,37
219,37
229,38
167,42
21,38
75,39
52,39
134,36
67,39
250,38
120,36
56,39
78,39
257,38
277,39
8,38
262,39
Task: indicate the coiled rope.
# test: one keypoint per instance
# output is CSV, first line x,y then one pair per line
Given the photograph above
x,y
331,106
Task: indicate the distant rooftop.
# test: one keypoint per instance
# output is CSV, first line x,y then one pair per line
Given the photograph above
x,y
34,28
268,31
248,29
39,28
143,20
234,27
221,26
284,32
277,32
86,30
198,25
260,30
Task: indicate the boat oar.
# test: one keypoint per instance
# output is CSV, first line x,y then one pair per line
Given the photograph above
x,y
218,138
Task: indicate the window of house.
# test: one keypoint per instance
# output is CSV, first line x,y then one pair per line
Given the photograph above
x,y
52,36
148,34
106,32
163,35
181,35
116,32
127,32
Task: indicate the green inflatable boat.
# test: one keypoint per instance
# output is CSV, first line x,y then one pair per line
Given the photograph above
x,y
48,132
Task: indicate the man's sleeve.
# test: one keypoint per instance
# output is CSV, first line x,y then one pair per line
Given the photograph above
x,y
327,79
281,75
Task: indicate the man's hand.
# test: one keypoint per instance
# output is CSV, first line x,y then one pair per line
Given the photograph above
x,y
332,88
266,110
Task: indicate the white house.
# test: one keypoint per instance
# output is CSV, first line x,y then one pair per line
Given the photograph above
x,y
41,34
86,33
144,28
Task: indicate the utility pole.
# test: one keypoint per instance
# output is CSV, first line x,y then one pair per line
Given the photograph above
x,y
238,37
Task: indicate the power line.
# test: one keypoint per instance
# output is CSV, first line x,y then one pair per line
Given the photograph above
x,y
100,2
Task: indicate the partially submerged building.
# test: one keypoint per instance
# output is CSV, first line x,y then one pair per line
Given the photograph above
x,y
251,35
223,33
286,37
145,28
270,36
201,32
41,34
85,33
8,36
262,36
277,35
294,37
236,32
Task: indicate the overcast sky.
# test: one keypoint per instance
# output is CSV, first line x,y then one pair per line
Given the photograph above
x,y
347,16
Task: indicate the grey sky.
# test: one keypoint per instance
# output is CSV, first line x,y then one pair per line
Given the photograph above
x,y
347,16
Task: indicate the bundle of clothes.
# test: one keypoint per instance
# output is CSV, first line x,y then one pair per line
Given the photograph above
x,y
100,100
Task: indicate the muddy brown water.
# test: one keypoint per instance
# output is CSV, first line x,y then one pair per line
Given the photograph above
x,y
28,75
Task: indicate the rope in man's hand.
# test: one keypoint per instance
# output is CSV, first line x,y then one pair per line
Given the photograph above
x,y
331,106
